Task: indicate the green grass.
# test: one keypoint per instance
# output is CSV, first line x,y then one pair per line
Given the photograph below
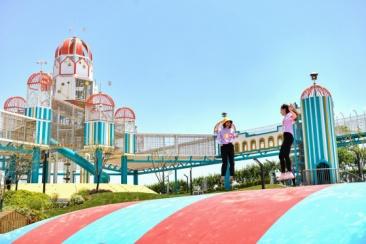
x,y
100,199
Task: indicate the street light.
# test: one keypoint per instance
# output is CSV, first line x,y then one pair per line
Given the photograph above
x,y
187,182
190,179
314,76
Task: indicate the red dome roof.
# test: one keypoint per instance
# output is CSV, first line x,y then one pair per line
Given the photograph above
x,y
40,80
74,46
315,90
15,105
125,113
99,99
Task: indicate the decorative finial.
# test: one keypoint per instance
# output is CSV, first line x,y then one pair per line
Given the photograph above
x,y
224,114
41,63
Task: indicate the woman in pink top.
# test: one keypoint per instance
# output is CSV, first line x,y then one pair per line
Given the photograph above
x,y
290,114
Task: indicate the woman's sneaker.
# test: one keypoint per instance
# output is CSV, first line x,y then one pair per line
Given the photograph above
x,y
289,176
282,177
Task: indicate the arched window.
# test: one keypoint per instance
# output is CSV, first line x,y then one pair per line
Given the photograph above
x,y
279,140
262,143
253,145
237,147
245,146
270,141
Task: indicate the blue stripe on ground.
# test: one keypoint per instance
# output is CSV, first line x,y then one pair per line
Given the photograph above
x,y
336,214
130,224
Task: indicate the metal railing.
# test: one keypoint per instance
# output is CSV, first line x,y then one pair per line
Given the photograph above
x,y
328,176
351,124
263,130
175,144
16,128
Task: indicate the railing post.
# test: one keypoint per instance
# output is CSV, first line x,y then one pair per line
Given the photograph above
x,y
135,177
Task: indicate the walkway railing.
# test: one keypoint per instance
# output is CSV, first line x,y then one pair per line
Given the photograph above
x,y
351,124
176,144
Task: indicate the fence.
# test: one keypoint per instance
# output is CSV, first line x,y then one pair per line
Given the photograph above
x,y
328,176
351,124
12,220
17,128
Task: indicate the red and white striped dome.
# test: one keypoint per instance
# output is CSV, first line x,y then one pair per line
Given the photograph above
x,y
125,114
315,90
99,106
99,99
15,105
74,46
40,81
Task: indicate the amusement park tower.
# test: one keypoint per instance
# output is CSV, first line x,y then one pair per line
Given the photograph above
x,y
318,132
125,125
73,71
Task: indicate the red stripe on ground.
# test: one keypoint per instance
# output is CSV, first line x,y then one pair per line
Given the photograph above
x,y
59,229
235,217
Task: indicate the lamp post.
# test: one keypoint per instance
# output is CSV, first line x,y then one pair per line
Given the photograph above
x,y
190,179
314,77
187,182
45,169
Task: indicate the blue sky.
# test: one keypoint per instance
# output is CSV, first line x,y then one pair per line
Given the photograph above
x,y
184,62
179,64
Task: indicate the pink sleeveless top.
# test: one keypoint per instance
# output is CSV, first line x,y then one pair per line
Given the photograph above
x,y
287,123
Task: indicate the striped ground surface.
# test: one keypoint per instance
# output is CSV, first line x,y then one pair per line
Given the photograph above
x,y
317,214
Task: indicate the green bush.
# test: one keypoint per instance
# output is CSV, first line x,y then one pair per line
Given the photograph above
x,y
30,204
76,199
246,177
27,199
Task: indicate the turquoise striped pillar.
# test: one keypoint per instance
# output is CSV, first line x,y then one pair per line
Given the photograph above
x,y
124,169
36,162
99,133
43,124
319,136
130,143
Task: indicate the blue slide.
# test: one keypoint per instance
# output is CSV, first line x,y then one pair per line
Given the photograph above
x,y
79,160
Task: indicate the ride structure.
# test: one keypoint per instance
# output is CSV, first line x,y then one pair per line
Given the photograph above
x,y
66,114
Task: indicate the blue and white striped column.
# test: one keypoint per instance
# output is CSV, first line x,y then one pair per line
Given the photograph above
x,y
99,133
43,124
319,134
130,143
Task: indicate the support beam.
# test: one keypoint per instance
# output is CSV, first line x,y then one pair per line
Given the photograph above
x,y
36,161
124,169
135,177
176,186
12,168
98,164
